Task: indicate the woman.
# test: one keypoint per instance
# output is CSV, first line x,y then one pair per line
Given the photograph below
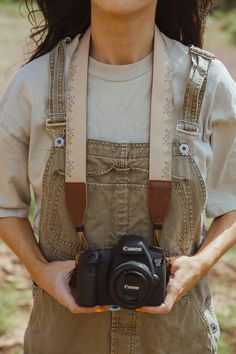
x,y
199,105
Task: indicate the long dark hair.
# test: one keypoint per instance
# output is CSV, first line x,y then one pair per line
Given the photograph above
x,y
53,20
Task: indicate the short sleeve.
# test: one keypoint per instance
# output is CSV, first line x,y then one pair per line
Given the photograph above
x,y
15,114
221,176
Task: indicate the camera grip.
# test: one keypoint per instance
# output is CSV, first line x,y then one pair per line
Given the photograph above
x,y
85,290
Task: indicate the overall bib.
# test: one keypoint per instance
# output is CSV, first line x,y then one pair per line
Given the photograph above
x,y
117,178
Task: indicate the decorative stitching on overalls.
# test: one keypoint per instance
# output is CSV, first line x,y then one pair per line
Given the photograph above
x,y
189,126
199,176
114,332
48,214
187,236
185,200
43,187
57,85
198,308
133,332
121,170
194,94
117,186
183,197
123,157
111,143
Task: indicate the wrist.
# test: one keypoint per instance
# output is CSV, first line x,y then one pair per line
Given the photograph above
x,y
203,263
37,268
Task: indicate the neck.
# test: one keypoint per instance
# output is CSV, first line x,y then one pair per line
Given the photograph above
x,y
121,39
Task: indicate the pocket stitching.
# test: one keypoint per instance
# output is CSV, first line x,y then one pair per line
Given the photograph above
x,y
45,214
204,319
199,177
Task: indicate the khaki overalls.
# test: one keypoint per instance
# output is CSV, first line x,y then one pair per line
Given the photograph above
x,y
117,176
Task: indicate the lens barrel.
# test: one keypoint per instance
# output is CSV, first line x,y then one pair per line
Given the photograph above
x,y
131,284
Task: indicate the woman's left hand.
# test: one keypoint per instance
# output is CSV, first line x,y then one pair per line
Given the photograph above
x,y
186,272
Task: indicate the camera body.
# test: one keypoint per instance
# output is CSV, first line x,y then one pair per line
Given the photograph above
x,y
131,275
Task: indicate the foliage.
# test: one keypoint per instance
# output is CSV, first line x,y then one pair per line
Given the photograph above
x,y
10,311
227,23
12,8
230,25
225,5
7,308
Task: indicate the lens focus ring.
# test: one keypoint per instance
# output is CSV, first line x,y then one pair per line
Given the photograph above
x,y
131,284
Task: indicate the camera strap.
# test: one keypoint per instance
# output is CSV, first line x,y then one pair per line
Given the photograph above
x,y
160,134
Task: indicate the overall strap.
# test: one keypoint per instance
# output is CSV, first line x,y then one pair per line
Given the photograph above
x,y
56,121
194,94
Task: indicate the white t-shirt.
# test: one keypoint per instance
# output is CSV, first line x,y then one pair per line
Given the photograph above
x,y
119,99
118,111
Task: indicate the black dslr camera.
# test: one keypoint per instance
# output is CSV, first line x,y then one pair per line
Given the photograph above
x,y
131,275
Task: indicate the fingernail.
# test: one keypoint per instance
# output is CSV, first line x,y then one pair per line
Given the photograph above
x,y
115,308
141,310
100,310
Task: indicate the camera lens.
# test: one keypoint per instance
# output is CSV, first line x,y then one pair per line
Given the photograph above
x,y
131,284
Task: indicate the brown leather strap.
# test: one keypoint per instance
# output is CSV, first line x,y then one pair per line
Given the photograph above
x,y
159,201
76,201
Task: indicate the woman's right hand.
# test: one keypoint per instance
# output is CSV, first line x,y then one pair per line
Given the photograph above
x,y
53,277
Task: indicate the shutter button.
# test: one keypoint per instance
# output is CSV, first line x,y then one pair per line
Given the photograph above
x,y
59,142
184,149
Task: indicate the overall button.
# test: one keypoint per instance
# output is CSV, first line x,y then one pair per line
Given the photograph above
x,y
59,142
214,328
184,149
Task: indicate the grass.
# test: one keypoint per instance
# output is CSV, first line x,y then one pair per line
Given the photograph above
x,y
10,311
8,308
224,345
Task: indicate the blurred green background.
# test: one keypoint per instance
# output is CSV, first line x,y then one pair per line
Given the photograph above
x,y
15,285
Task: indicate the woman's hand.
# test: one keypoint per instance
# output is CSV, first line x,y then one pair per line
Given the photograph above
x,y
54,279
186,272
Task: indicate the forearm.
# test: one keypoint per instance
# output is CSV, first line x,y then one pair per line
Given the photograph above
x,y
219,239
188,271
53,277
17,233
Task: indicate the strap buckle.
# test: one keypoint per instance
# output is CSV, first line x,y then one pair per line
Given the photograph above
x,y
184,126
203,53
50,124
56,128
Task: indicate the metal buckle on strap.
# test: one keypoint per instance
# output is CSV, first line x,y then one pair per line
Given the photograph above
x,y
51,125
203,53
56,130
186,127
